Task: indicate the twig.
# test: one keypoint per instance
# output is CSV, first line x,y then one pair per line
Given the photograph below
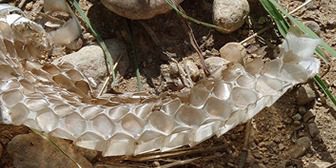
x,y
299,7
176,153
22,3
179,163
194,42
108,78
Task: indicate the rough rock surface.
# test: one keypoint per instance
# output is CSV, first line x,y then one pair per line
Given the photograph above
x,y
90,60
230,14
138,9
31,150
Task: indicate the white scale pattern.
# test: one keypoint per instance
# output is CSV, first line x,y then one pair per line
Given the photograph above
x,y
56,99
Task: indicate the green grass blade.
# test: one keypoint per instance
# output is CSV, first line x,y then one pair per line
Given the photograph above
x,y
278,14
99,39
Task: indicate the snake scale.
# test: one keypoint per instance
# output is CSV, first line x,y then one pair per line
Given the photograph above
x,y
56,99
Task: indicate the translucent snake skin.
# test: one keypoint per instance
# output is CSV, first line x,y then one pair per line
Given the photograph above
x,y
56,99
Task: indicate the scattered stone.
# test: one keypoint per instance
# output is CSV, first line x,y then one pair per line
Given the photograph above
x,y
297,117
31,150
230,14
191,69
216,65
319,164
304,95
302,110
138,9
281,147
288,120
315,27
90,60
299,149
233,52
313,129
308,117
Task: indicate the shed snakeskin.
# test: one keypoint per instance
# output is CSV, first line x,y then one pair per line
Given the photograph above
x,y
56,99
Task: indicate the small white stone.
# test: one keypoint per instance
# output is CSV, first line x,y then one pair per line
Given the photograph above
x,y
230,14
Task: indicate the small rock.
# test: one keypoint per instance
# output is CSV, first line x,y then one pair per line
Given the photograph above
x,y
297,117
313,129
138,9
216,65
30,150
319,164
191,68
230,14
233,52
281,147
308,117
304,95
302,110
299,149
89,60
315,27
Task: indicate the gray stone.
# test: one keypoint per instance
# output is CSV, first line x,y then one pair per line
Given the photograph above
x,y
308,117
301,146
90,60
31,150
302,110
313,129
297,117
304,95
315,27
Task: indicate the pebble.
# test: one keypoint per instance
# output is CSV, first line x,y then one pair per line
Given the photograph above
x,y
191,68
297,117
31,150
281,147
304,95
319,164
302,110
308,117
230,14
299,149
315,27
90,60
313,129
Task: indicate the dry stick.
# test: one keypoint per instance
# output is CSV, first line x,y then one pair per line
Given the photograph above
x,y
183,152
179,163
109,77
194,42
270,26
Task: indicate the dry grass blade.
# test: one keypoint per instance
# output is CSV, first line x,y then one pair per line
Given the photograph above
x,y
179,163
176,153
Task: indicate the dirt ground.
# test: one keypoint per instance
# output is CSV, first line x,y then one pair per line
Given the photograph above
x,y
276,133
